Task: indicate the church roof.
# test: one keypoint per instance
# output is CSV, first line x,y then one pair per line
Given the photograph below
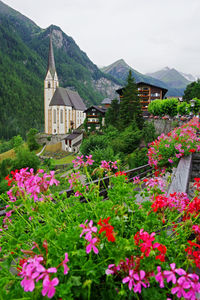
x,y
66,97
51,62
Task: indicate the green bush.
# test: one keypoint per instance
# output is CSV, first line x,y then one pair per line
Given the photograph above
x,y
138,158
163,107
25,158
183,108
31,139
93,142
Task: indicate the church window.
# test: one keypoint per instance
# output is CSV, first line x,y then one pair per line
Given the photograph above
x,y
61,116
49,85
54,116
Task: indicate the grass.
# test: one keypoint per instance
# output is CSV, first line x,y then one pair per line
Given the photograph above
x,y
65,160
7,154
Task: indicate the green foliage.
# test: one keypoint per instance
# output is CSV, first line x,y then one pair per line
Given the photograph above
x,y
31,139
92,142
85,125
6,145
183,108
112,114
138,158
196,108
17,142
192,91
127,140
148,132
103,154
25,158
130,107
163,107
4,167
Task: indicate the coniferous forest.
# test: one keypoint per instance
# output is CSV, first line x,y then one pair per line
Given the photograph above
x,y
23,62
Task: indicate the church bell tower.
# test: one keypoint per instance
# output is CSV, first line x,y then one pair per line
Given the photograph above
x,y
50,85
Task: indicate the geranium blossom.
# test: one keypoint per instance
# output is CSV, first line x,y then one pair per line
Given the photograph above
x,y
49,287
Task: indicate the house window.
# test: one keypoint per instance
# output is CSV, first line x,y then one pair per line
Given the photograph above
x,y
49,85
54,116
61,116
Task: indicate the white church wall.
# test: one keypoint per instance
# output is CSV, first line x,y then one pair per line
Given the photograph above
x,y
61,119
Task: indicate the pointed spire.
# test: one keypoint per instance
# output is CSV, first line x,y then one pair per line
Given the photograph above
x,y
51,62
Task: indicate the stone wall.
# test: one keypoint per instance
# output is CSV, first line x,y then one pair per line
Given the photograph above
x,y
164,126
50,139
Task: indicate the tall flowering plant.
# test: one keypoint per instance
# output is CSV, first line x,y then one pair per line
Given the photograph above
x,y
87,247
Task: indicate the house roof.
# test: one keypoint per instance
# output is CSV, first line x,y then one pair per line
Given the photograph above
x,y
66,97
164,91
77,143
51,62
100,109
72,136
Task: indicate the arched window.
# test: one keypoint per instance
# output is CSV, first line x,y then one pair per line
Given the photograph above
x,y
61,117
54,116
49,85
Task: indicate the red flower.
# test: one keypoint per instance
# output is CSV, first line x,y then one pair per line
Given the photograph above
x,y
162,249
159,203
120,173
192,150
105,226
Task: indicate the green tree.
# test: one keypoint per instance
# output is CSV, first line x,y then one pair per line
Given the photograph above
x,y
130,107
192,91
31,139
17,141
25,158
112,114
92,142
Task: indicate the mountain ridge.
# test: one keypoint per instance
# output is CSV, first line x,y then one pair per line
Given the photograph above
x,y
119,69
23,64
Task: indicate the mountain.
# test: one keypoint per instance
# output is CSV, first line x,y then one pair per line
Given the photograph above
x,y
171,77
171,80
189,77
23,63
120,70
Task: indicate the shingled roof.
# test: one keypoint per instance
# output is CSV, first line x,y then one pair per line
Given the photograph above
x,y
66,97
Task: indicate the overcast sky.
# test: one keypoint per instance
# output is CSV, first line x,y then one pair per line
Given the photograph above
x,y
147,34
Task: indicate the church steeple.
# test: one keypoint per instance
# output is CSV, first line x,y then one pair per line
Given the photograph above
x,y
50,85
51,62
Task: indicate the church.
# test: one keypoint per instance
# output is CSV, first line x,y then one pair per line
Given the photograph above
x,y
63,108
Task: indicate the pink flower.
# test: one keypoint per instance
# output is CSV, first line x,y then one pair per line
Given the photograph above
x,y
170,160
109,270
77,194
129,279
139,277
171,275
89,160
114,164
182,284
160,277
91,246
88,229
48,286
66,268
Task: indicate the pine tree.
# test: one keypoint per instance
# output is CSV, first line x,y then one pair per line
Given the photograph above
x,y
112,114
130,107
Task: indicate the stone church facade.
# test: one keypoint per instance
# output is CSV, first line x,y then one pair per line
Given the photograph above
x,y
63,108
